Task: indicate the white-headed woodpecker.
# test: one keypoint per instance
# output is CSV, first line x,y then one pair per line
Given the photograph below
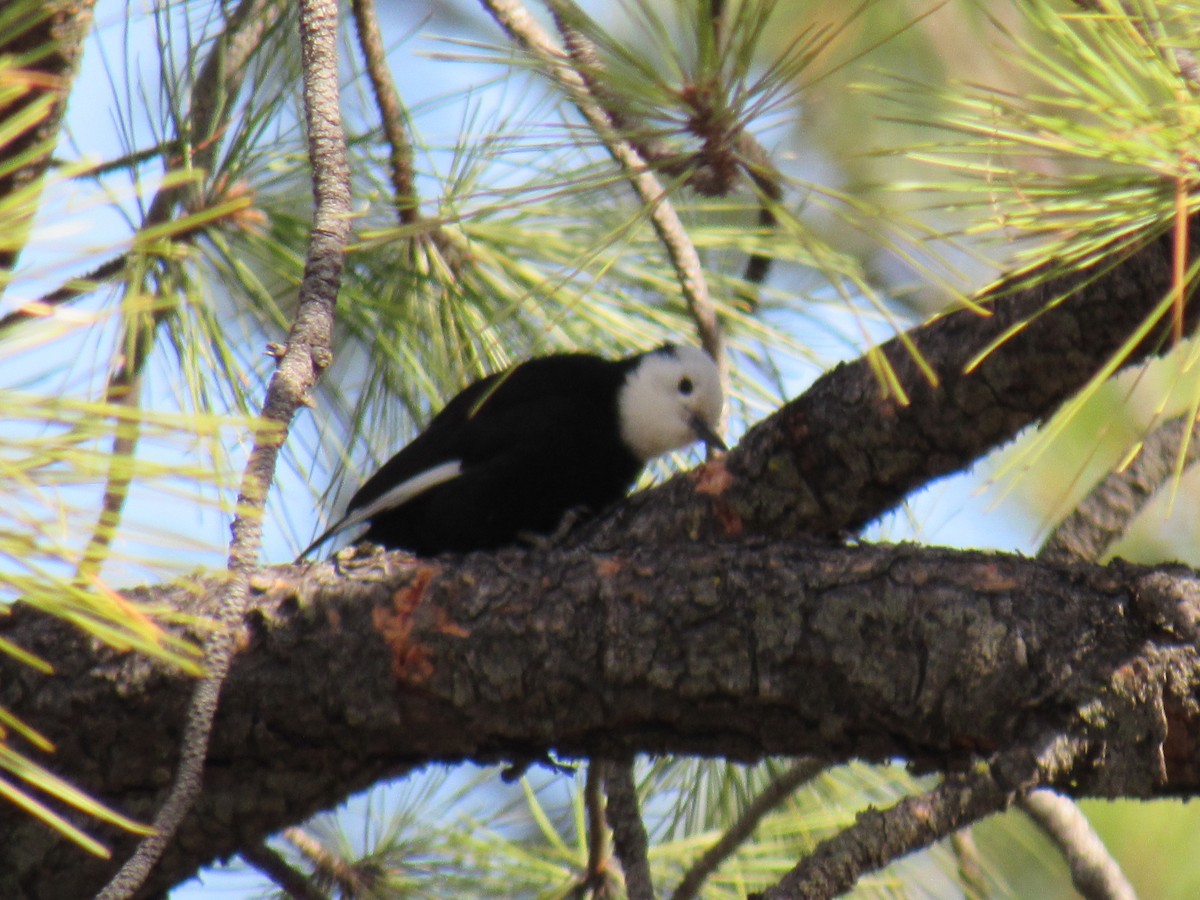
x,y
514,452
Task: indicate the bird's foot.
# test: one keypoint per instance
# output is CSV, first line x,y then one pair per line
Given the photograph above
x,y
544,542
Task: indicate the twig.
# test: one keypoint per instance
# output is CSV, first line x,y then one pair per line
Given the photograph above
x,y
970,868
351,880
307,354
713,176
522,28
598,878
776,791
1094,872
629,832
290,880
1091,529
74,288
391,111
768,181
879,837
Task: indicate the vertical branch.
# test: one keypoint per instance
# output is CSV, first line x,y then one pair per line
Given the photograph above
x,y
629,832
391,112
597,877
306,355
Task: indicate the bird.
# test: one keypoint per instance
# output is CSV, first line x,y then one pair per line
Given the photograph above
x,y
513,453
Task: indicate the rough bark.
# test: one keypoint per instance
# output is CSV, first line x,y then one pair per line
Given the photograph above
x,y
842,454
737,649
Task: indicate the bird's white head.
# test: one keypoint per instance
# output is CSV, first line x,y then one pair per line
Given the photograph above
x,y
670,399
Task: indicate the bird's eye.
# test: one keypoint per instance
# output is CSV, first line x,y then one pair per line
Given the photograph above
x,y
686,387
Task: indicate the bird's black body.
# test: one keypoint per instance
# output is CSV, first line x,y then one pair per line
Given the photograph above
x,y
533,442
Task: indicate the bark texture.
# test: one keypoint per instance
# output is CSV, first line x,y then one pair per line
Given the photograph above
x,y
842,454
737,650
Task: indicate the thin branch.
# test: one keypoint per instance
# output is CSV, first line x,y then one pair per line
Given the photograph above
x,y
74,288
629,832
768,181
391,110
1094,872
350,879
970,867
1099,521
290,880
526,32
708,176
598,878
879,837
306,356
778,790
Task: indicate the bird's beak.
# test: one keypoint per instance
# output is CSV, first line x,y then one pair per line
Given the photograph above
x,y
705,432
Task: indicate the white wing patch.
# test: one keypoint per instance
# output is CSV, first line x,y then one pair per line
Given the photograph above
x,y
393,499
403,492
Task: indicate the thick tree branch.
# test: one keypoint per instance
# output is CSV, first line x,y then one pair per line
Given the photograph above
x,y
748,653
740,650
843,454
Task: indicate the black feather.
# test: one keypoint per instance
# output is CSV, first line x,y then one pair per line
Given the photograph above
x,y
533,442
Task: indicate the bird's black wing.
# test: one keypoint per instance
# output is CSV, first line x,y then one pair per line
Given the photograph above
x,y
502,416
523,465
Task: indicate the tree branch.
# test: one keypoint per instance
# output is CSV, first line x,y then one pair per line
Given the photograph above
x,y
1090,530
842,454
879,836
598,878
1094,872
292,881
629,832
901,647
742,650
391,111
307,354
349,879
52,44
